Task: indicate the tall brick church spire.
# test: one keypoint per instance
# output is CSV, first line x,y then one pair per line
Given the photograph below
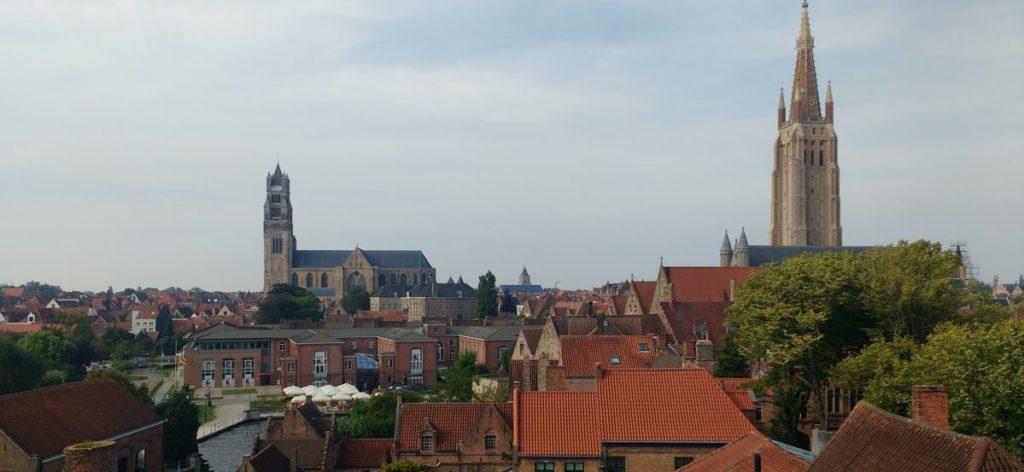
x,y
805,105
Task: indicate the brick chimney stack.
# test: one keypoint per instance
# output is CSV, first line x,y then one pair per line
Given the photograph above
x,y
930,405
598,371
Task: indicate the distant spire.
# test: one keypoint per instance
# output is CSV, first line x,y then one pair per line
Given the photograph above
x,y
278,175
460,279
742,243
828,92
451,280
782,98
726,247
805,106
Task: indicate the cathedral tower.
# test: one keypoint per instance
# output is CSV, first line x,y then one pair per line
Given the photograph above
x,y
805,178
278,238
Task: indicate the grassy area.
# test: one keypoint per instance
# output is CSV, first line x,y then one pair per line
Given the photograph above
x,y
206,414
267,404
136,378
239,391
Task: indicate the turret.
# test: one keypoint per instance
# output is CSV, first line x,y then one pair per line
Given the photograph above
x,y
741,252
828,102
725,253
782,107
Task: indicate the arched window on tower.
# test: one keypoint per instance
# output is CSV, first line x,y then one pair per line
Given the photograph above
x,y
382,280
821,158
295,279
309,280
414,282
323,280
405,280
392,280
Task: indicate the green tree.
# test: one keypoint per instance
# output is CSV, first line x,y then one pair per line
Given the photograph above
x,y
356,299
374,418
46,291
458,379
288,302
21,371
50,347
729,362
181,422
801,316
911,287
487,296
982,368
164,323
404,465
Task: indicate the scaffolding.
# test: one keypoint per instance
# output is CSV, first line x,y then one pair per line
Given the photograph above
x,y
970,269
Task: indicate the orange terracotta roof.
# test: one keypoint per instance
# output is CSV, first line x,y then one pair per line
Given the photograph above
x,y
683,317
738,393
738,456
874,439
630,406
559,424
581,353
395,316
705,284
451,421
619,303
365,453
16,292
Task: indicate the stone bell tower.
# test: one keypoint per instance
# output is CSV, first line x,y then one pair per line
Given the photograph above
x,y
805,179
278,238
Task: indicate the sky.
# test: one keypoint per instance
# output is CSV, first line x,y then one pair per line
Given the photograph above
x,y
583,139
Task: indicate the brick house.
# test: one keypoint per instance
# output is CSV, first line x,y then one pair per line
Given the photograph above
x,y
36,426
751,449
225,356
636,419
453,437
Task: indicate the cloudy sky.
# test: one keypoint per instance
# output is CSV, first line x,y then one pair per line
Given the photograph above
x,y
583,139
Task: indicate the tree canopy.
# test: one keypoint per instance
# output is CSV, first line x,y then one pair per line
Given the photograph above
x,y
356,299
405,465
27,373
181,422
374,418
487,296
288,302
729,362
458,379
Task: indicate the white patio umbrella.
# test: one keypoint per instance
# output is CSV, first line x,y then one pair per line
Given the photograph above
x,y
348,388
361,396
322,398
292,391
308,388
298,399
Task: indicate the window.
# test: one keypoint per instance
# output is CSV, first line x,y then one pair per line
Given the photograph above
x,y
371,344
276,245
323,280
355,345
616,361
275,212
382,281
615,464
282,346
574,467
644,348
228,370
404,280
208,370
295,279
140,460
451,341
348,365
426,442
681,461
247,368
544,467
821,158
392,279
391,362
309,280
416,361
320,365
451,355
440,352
275,198
490,442
414,279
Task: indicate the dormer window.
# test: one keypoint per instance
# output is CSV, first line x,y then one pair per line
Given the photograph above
x,y
490,442
31,318
644,348
426,442
616,361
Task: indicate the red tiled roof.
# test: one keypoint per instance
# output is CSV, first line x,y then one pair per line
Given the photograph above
x,y
451,421
365,453
559,424
16,292
738,456
630,406
705,284
532,337
395,316
619,303
738,393
873,439
684,316
46,420
645,294
581,353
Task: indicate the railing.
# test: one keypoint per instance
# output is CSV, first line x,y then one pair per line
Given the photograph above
x,y
218,426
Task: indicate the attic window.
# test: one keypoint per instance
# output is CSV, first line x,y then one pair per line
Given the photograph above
x,y
615,361
426,442
644,348
490,442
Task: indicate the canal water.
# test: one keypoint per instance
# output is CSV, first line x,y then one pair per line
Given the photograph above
x,y
224,451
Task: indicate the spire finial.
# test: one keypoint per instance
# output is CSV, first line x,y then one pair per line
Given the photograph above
x,y
782,98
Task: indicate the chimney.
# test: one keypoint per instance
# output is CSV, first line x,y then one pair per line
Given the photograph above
x,y
757,462
598,372
515,419
819,440
929,404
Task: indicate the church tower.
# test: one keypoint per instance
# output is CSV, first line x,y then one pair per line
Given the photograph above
x,y
805,178
278,238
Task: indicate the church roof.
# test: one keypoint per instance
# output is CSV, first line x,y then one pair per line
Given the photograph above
x,y
385,259
761,255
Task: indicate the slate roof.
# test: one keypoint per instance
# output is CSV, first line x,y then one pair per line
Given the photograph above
x,y
581,353
44,421
490,333
450,421
873,439
419,290
530,289
365,453
318,258
452,290
761,255
738,456
659,406
226,332
322,292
